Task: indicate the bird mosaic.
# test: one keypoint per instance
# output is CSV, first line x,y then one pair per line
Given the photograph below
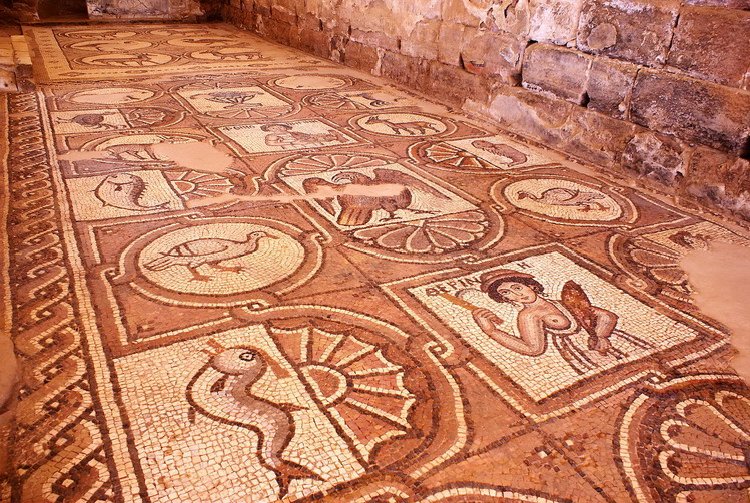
x,y
207,251
583,200
352,381
241,367
359,209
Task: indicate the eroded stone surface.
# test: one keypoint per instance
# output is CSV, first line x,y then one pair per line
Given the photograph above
x,y
699,111
706,45
635,30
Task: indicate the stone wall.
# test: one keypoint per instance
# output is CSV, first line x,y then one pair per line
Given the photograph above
x,y
657,87
167,9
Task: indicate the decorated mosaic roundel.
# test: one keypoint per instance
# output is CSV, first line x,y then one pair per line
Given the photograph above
x,y
220,259
310,82
563,199
128,59
402,124
118,45
111,96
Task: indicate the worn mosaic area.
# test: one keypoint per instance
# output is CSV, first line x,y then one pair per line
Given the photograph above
x,y
239,274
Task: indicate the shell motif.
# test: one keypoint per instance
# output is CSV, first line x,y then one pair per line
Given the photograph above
x,y
716,433
335,101
194,184
353,381
434,235
449,156
310,165
698,445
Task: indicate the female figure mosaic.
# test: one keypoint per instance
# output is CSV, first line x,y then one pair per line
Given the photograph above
x,y
586,336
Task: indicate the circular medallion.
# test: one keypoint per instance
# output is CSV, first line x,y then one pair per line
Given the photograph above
x,y
111,45
128,60
220,259
311,82
563,199
111,96
402,124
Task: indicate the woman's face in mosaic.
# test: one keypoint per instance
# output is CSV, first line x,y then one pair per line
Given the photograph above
x,y
516,292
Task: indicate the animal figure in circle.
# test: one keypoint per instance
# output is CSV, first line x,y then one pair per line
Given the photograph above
x,y
583,200
409,128
207,251
94,121
128,59
500,149
358,209
272,422
231,98
124,190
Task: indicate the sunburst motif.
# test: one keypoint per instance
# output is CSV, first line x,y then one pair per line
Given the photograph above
x,y
309,165
432,235
335,101
450,156
194,184
361,390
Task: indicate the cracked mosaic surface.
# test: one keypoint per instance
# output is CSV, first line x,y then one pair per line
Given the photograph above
x,y
239,273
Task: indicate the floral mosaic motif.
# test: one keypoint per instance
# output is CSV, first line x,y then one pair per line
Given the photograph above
x,y
242,102
698,440
434,235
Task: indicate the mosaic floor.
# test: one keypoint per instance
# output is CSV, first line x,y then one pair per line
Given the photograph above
x,y
242,274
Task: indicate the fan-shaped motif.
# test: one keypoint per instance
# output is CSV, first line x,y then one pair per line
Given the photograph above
x,y
450,156
354,382
432,235
687,443
312,164
194,184
706,434
335,101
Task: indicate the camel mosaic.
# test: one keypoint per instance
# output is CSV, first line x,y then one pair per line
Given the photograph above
x,y
243,274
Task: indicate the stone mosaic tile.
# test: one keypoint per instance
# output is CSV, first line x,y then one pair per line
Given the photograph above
x,y
240,273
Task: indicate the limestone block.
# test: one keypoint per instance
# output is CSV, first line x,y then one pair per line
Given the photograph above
x,y
510,18
554,21
362,57
595,138
729,4
422,41
635,30
530,113
609,86
692,109
656,156
721,180
557,70
406,70
496,54
709,43
452,85
450,42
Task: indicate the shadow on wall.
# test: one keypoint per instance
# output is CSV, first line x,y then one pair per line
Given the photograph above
x,y
62,8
